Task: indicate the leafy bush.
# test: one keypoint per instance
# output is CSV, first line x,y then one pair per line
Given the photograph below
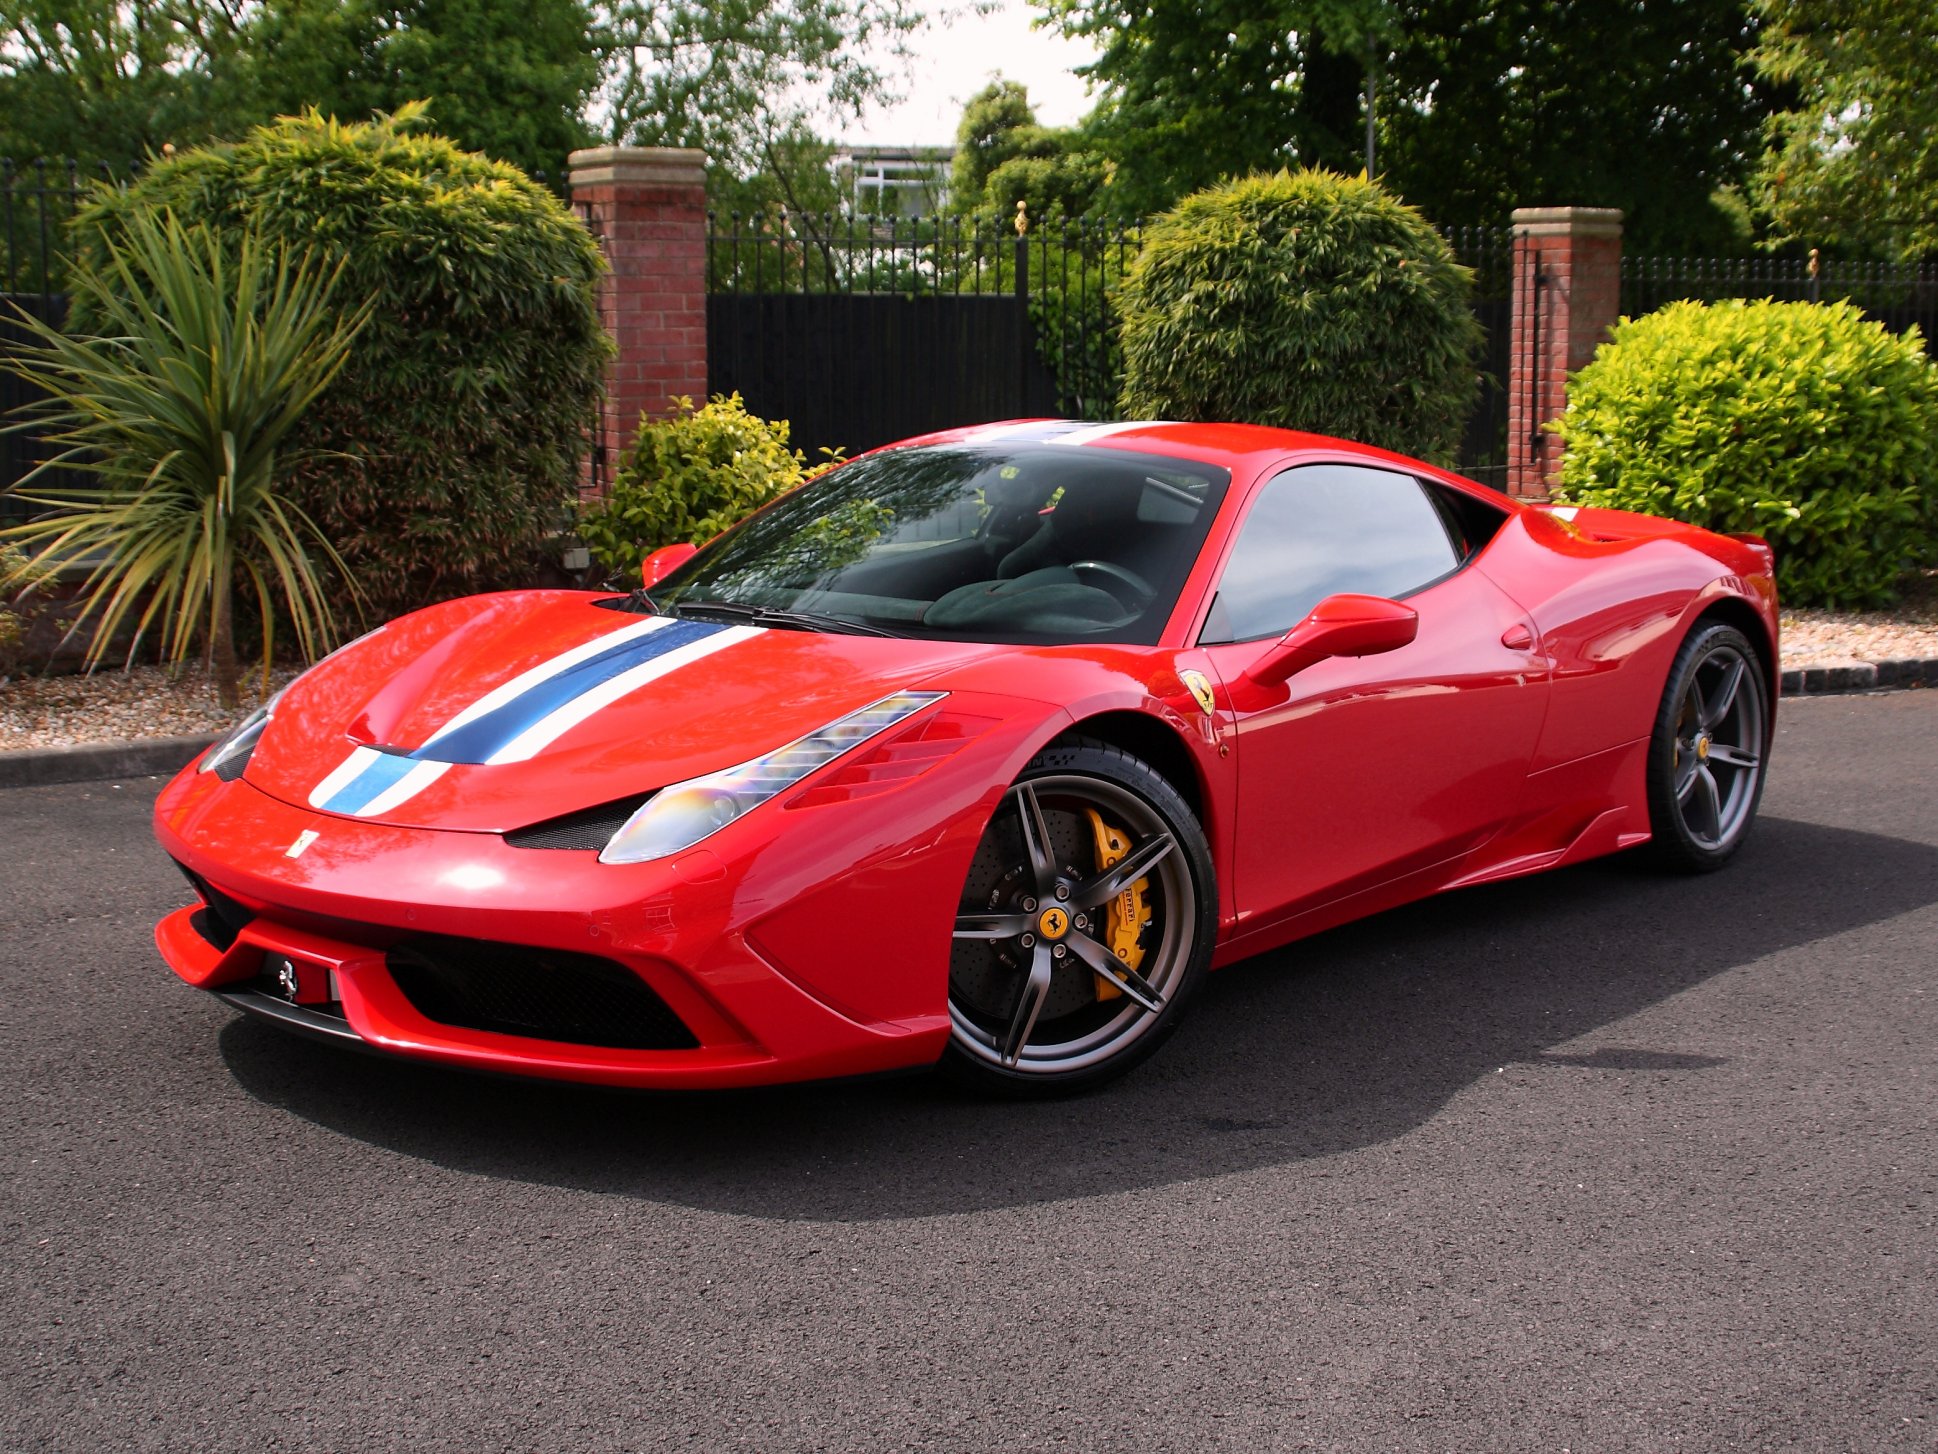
x,y
447,449
1801,422
1304,300
689,477
211,349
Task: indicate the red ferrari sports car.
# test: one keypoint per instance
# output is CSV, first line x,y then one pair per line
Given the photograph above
x,y
981,749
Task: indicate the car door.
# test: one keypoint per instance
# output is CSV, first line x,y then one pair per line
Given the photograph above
x,y
1358,770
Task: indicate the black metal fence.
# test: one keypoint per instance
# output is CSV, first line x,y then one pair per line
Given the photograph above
x,y
860,330
1898,295
37,201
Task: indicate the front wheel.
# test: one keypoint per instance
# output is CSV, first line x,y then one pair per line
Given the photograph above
x,y
1084,928
1707,755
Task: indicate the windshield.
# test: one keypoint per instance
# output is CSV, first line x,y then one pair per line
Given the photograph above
x,y
1034,543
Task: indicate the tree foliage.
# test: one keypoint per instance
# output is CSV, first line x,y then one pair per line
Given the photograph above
x,y
1195,92
1855,161
1803,422
732,76
509,80
1636,104
111,80
1004,157
1481,105
446,452
1304,300
520,80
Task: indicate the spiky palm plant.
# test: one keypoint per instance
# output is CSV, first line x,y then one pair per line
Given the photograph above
x,y
207,350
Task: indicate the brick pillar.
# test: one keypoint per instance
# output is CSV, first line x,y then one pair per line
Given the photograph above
x,y
1567,294
647,206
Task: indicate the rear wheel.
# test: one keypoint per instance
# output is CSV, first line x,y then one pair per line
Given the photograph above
x,y
1084,927
1706,759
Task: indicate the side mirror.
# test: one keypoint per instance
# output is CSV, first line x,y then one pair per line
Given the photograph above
x,y
1338,626
663,562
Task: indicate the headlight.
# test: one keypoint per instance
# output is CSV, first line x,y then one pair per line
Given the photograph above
x,y
229,756
680,816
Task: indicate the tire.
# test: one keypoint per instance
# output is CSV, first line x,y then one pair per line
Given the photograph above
x,y
1714,715
1047,1005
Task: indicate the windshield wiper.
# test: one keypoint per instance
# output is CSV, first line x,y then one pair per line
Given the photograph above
x,y
766,616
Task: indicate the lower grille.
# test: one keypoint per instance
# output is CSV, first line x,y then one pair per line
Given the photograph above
x,y
545,994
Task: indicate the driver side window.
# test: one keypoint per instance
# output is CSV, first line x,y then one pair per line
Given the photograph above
x,y
1317,530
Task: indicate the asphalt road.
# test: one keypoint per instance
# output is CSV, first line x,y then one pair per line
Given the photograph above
x,y
1598,1161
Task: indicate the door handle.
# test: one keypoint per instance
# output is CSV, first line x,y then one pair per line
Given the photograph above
x,y
1517,638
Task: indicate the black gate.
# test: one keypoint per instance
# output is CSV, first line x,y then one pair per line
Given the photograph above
x,y
851,371
862,331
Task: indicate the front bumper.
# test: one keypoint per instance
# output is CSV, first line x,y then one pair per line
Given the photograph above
x,y
735,939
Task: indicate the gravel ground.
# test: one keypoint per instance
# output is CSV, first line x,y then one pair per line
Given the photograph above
x,y
119,706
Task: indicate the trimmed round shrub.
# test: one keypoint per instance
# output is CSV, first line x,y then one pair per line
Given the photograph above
x,y
446,452
1805,423
688,477
1304,300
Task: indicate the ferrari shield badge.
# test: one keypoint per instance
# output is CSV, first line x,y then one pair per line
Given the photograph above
x,y
1200,689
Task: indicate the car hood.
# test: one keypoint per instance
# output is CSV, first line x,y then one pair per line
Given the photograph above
x,y
494,712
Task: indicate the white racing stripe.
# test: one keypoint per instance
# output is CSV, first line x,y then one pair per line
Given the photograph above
x,y
545,671
548,729
408,786
1103,431
345,774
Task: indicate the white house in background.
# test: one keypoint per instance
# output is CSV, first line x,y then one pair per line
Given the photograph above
x,y
896,181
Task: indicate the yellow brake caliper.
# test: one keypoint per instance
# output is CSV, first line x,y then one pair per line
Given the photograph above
x,y
1125,920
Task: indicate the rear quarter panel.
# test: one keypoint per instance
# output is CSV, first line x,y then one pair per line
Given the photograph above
x,y
1613,596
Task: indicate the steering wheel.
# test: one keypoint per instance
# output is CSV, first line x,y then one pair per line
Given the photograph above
x,y
1130,589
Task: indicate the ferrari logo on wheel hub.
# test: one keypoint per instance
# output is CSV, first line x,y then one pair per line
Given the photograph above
x,y
1054,923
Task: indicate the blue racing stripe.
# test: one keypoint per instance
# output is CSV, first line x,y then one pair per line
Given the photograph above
x,y
381,775
476,741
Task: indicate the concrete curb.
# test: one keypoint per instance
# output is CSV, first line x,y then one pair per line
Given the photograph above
x,y
99,760
1858,676
148,756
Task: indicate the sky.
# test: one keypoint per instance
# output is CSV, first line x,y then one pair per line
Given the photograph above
x,y
956,60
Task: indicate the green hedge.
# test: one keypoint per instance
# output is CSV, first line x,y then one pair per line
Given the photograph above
x,y
1305,300
689,477
1802,422
447,451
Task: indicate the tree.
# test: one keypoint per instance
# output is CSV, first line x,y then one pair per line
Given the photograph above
x,y
1481,105
1636,104
1004,157
998,123
509,78
1195,92
1855,160
111,80
733,77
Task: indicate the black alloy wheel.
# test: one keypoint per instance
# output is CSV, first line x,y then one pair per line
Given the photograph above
x,y
1709,750
1084,928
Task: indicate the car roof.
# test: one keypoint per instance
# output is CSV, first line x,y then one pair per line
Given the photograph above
x,y
1240,448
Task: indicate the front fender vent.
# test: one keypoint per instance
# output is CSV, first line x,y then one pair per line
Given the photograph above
x,y
588,828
